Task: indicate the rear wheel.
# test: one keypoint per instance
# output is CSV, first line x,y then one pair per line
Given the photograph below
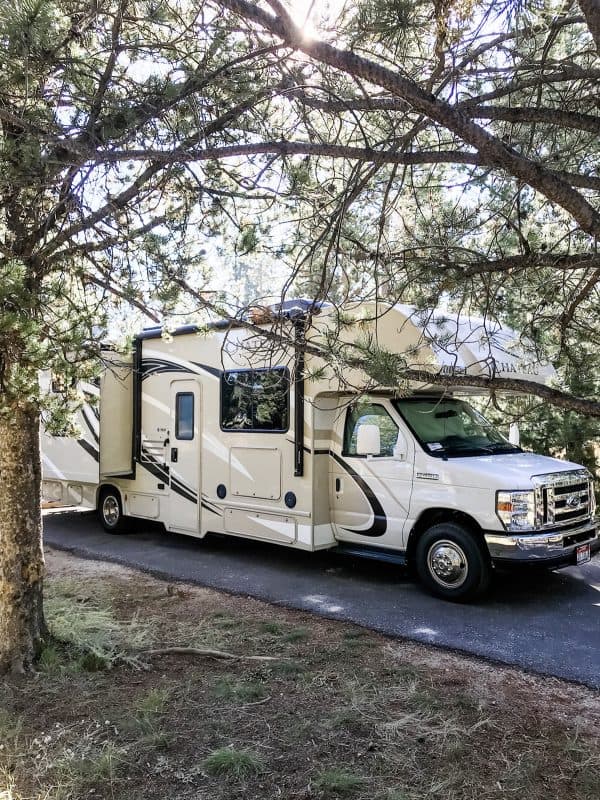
x,y
110,511
452,563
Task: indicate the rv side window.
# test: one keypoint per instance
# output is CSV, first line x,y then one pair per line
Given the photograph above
x,y
370,414
255,400
184,415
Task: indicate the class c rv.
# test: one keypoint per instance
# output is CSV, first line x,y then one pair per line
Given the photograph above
x,y
219,430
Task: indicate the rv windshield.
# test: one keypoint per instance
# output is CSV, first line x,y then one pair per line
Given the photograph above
x,y
449,427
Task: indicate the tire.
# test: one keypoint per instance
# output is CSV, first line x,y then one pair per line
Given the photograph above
x,y
110,511
452,563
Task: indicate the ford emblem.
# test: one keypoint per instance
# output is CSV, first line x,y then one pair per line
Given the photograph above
x,y
572,501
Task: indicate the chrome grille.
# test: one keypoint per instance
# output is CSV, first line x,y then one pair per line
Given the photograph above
x,y
563,498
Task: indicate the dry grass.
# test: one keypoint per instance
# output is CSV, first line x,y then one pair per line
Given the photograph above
x,y
344,713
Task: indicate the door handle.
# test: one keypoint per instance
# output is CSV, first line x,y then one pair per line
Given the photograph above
x,y
174,454
338,485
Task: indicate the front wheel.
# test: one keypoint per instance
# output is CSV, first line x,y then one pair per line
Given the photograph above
x,y
452,563
110,511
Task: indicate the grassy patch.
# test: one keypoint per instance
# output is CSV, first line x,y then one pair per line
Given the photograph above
x,y
228,688
225,622
150,709
272,628
346,718
229,763
300,634
51,658
87,626
9,724
338,782
99,767
289,669
355,633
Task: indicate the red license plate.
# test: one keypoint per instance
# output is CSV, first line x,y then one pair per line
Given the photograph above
x,y
583,553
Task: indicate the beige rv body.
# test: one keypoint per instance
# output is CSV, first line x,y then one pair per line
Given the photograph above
x,y
299,486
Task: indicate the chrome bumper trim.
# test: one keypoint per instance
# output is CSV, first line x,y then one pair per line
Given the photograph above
x,y
538,546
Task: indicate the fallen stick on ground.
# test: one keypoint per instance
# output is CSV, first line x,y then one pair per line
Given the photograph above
x,y
206,652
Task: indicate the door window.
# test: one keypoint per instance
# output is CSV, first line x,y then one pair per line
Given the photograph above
x,y
370,414
184,415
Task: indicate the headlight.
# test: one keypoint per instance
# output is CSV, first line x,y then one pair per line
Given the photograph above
x,y
516,510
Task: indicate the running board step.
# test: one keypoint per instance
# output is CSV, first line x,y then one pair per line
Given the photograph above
x,y
375,553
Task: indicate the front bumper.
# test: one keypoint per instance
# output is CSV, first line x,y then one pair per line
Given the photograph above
x,y
550,549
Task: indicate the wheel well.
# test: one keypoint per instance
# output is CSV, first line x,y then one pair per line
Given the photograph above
x,y
101,490
433,516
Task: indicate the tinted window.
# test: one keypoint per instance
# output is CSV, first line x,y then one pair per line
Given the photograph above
x,y
184,415
370,414
255,400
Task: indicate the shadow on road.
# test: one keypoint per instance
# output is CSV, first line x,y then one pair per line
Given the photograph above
x,y
548,622
509,587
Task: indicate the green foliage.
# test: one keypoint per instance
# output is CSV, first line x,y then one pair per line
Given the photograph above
x,y
29,30
82,236
150,709
295,635
384,367
229,763
248,239
338,782
228,688
565,434
274,628
91,629
390,20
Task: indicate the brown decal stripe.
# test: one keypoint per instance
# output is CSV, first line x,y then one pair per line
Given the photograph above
x,y
89,449
379,525
88,422
161,472
156,366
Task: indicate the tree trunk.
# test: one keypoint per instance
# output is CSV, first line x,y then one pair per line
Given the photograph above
x,y
22,626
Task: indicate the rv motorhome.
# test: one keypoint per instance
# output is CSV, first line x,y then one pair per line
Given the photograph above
x,y
209,430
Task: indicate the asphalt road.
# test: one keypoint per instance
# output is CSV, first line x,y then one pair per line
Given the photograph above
x,y
546,623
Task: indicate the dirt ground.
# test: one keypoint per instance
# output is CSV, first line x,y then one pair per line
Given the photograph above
x,y
338,712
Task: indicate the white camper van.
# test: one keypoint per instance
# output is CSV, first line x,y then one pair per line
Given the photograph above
x,y
210,431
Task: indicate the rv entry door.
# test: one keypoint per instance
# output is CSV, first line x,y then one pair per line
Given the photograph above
x,y
183,456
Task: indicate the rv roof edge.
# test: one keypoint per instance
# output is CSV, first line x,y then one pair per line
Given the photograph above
x,y
288,309
437,340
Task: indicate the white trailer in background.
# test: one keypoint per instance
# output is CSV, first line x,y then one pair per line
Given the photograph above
x,y
209,431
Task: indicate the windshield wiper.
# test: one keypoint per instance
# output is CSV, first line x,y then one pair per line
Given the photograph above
x,y
461,450
504,447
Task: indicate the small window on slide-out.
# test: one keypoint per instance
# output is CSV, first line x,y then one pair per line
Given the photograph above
x,y
184,415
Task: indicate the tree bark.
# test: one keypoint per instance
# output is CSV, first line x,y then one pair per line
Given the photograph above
x,y
591,10
22,626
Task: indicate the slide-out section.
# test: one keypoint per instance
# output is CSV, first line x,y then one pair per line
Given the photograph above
x,y
116,417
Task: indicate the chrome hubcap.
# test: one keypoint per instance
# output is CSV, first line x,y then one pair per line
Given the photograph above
x,y
447,564
110,510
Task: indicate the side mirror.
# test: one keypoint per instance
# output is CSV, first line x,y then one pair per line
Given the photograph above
x,y
401,447
514,434
368,440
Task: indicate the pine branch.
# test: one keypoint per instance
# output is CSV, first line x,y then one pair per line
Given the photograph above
x,y
492,151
